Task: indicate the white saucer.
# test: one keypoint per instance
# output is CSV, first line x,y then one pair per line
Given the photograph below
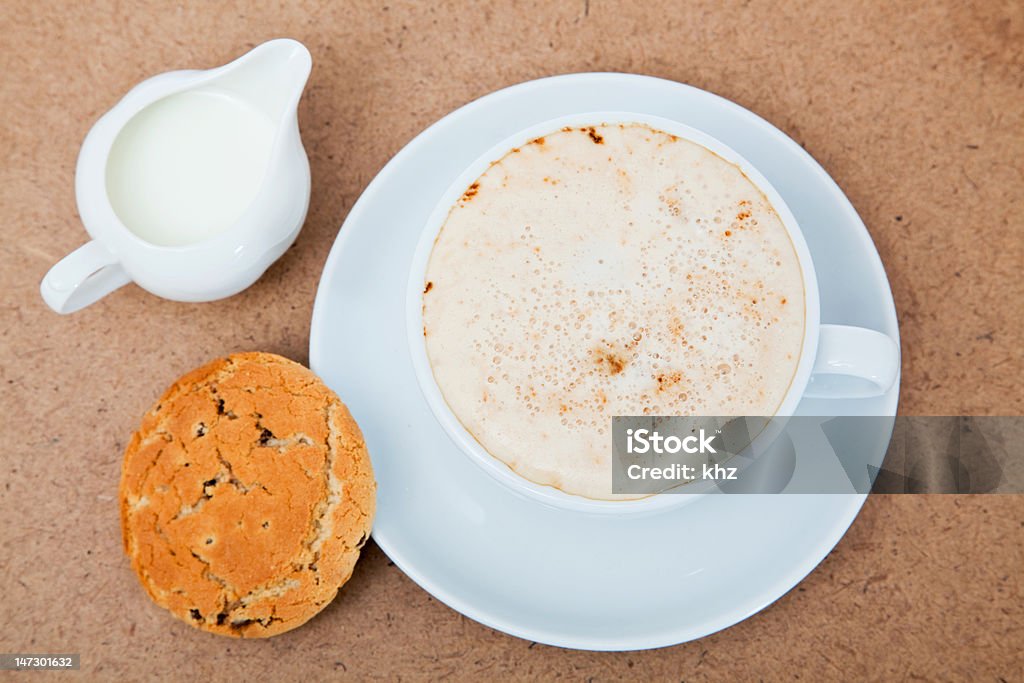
x,y
546,575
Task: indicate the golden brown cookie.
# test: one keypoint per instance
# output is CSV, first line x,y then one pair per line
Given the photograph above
x,y
246,495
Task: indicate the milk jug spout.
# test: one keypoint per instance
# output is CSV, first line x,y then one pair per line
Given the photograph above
x,y
270,77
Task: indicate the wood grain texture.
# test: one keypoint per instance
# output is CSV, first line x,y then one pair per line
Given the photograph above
x,y
916,111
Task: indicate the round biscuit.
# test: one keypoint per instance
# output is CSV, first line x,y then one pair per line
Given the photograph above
x,y
246,495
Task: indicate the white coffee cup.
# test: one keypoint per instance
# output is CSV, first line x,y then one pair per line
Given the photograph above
x,y
836,361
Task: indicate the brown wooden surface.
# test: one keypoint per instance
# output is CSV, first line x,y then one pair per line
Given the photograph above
x,y
918,114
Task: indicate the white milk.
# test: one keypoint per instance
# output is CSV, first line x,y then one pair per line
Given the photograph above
x,y
187,166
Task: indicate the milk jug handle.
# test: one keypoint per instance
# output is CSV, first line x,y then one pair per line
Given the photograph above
x,y
870,358
83,277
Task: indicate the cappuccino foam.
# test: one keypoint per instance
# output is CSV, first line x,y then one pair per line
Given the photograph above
x,y
601,271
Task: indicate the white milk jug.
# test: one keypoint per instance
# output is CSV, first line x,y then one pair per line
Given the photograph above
x,y
193,184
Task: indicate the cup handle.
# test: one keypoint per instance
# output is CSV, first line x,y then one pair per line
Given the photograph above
x,y
853,362
83,277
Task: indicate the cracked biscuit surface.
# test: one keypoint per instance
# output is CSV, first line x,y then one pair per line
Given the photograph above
x,y
246,496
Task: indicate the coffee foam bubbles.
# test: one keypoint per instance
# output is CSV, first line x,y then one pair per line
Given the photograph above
x,y
611,270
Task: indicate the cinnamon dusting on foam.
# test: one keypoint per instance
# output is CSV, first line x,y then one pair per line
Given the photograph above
x,y
638,274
